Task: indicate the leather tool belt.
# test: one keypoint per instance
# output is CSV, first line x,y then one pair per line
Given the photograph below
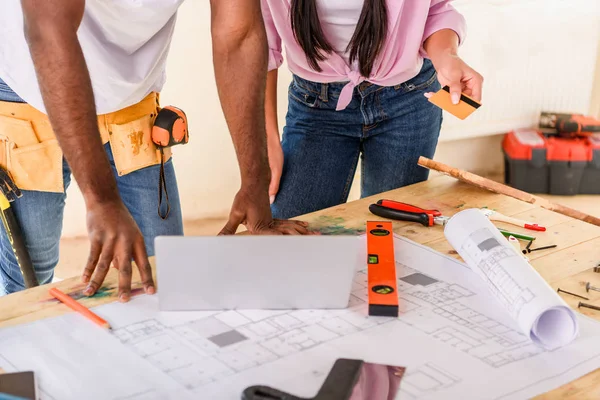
x,y
30,152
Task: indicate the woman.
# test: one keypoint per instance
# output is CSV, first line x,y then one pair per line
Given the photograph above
x,y
362,72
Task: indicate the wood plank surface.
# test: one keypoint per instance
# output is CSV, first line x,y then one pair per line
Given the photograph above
x,y
569,266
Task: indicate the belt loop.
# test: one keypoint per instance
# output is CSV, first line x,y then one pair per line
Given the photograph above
x,y
324,92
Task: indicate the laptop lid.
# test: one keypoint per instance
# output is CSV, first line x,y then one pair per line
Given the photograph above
x,y
256,272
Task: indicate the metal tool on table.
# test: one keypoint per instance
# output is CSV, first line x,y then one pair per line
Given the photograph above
x,y
585,305
559,290
407,212
588,287
9,192
347,380
496,216
529,250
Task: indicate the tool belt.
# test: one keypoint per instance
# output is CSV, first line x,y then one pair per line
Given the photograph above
x,y
30,152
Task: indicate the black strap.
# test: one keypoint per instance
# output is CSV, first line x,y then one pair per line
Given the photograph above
x,y
162,185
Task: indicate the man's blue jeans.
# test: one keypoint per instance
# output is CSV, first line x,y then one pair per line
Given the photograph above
x,y
40,216
388,127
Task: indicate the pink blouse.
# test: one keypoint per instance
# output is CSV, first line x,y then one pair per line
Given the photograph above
x,y
411,22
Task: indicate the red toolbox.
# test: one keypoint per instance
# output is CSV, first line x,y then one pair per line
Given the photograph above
x,y
536,163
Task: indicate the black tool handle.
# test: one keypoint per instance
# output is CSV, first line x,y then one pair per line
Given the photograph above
x,y
266,393
398,215
15,237
341,380
338,385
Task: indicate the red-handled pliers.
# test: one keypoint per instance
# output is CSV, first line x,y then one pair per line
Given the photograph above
x,y
407,212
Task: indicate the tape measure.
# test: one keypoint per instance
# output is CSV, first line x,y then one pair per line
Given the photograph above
x,y
170,129
383,289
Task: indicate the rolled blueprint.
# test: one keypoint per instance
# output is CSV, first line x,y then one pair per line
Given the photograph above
x,y
538,310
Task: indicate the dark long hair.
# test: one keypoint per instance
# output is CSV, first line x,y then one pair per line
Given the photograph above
x,y
365,45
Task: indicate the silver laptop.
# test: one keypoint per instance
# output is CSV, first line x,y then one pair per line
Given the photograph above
x,y
256,272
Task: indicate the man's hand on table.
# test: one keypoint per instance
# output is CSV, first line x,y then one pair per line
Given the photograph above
x,y
240,54
115,239
251,208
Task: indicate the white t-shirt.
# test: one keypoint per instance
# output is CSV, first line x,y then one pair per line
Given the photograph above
x,y
125,44
338,20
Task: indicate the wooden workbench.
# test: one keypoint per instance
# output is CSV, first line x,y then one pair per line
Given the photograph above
x,y
569,266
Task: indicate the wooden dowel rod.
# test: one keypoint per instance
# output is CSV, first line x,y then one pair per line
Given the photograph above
x,y
496,187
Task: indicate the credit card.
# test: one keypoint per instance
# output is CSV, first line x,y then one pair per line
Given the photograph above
x,y
465,107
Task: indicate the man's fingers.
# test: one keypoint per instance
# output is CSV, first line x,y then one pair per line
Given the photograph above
x,y
428,95
102,268
90,266
290,221
294,231
123,262
292,227
287,227
141,260
267,231
231,226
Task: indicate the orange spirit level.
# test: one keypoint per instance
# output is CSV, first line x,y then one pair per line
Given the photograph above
x,y
383,296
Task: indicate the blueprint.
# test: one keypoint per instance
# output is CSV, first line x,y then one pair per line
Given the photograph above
x,y
455,340
538,310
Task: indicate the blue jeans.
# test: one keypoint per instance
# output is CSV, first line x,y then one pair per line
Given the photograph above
x,y
7,94
40,216
388,127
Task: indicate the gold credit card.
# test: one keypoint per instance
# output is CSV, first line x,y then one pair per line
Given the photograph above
x,y
465,107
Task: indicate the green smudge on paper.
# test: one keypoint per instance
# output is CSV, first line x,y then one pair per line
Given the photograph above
x,y
100,294
326,225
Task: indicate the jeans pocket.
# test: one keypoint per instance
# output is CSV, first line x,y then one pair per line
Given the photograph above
x,y
303,95
425,78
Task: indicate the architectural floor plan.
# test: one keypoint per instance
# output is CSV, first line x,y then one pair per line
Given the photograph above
x,y
455,340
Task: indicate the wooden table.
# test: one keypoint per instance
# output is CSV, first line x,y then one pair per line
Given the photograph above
x,y
569,266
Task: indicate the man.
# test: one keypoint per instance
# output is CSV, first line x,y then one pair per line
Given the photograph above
x,y
99,65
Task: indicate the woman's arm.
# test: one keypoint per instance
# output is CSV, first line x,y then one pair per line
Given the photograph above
x,y
444,31
271,123
442,42
273,141
271,106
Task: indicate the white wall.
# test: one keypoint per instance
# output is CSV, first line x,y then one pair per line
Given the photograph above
x,y
542,61
534,54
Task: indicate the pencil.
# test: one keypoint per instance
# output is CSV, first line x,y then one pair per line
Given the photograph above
x,y
517,235
81,309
